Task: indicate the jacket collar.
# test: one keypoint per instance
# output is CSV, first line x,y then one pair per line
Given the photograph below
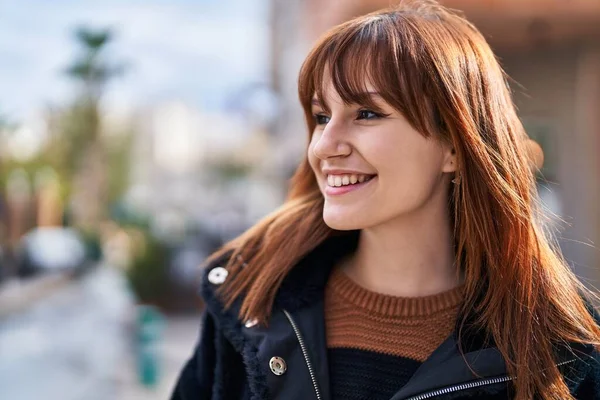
x,y
305,284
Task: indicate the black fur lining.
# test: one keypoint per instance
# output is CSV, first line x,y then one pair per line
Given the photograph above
x,y
228,322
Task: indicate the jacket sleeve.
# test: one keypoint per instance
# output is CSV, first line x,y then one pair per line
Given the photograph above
x,y
589,389
197,377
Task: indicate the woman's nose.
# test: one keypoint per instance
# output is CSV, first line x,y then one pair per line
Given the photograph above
x,y
331,143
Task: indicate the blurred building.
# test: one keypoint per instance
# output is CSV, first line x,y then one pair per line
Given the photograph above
x,y
550,49
191,166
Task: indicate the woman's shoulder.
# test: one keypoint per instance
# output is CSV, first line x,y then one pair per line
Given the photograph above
x,y
581,371
580,364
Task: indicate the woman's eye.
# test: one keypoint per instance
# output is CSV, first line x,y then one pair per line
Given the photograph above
x,y
321,119
366,114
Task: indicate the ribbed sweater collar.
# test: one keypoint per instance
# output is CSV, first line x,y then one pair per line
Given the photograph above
x,y
392,306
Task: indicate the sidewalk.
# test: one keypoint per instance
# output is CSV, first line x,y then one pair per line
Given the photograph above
x,y
16,295
75,339
70,341
179,339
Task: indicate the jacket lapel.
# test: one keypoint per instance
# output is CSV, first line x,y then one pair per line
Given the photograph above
x,y
310,322
301,294
228,324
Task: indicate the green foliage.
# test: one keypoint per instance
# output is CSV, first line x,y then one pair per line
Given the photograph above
x,y
77,128
227,171
129,217
93,40
93,245
90,69
119,161
70,137
75,146
90,158
148,274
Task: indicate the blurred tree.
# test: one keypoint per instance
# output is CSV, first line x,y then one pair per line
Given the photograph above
x,y
87,155
119,157
148,274
91,165
4,127
90,69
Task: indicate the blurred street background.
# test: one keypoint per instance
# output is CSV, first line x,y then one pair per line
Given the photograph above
x,y
136,137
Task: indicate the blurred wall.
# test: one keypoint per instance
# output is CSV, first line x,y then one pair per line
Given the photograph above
x,y
559,102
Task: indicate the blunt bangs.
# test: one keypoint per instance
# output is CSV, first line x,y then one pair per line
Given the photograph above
x,y
375,53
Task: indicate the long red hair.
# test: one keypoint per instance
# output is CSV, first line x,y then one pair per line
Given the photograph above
x,y
435,67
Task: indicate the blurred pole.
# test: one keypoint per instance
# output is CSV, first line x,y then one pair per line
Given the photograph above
x,y
275,41
18,199
48,201
150,335
18,196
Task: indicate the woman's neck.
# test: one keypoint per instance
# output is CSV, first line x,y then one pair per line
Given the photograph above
x,y
408,257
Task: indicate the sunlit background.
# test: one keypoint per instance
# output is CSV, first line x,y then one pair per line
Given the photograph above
x,y
138,136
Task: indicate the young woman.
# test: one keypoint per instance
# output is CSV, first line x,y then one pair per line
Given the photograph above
x,y
410,260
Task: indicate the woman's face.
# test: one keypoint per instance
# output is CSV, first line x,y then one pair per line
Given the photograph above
x,y
374,168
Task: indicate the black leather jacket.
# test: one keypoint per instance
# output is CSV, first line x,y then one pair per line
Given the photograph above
x,y
288,360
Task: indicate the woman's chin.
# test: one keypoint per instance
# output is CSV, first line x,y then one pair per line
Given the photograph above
x,y
342,221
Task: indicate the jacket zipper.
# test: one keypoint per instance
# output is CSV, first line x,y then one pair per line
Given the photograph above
x,y
463,386
305,354
469,385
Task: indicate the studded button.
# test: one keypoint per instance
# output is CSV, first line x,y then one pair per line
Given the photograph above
x,y
278,365
250,323
217,275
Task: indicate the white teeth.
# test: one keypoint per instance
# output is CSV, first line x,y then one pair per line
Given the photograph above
x,y
344,180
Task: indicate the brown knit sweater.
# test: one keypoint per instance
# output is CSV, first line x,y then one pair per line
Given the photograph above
x,y
375,341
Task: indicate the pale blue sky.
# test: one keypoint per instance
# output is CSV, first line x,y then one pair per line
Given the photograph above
x,y
199,51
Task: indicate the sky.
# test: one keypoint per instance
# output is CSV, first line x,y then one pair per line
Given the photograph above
x,y
199,51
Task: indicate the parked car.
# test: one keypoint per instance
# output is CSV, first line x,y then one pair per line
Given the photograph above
x,y
51,250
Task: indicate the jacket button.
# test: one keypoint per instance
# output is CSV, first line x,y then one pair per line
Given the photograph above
x,y
278,366
217,275
250,323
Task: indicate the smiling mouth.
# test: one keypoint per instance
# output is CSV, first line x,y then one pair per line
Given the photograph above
x,y
347,179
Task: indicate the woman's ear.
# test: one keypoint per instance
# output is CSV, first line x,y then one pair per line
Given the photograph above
x,y
535,153
450,163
